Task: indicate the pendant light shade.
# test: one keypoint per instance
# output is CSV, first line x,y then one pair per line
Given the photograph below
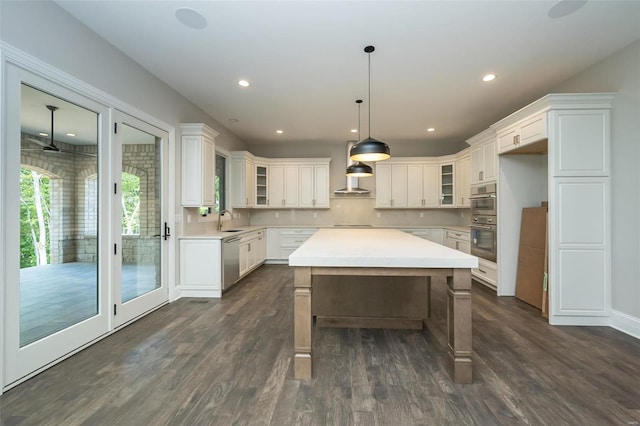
x,y
370,149
359,169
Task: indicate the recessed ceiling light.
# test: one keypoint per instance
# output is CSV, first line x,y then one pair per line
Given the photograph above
x,y
191,18
244,83
489,77
354,130
43,134
279,132
71,134
431,129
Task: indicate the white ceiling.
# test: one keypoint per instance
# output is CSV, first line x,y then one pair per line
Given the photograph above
x,y
307,67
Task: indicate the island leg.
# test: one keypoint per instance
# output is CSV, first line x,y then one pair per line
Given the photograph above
x,y
459,324
302,323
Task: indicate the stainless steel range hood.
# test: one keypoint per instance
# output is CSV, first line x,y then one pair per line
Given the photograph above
x,y
352,182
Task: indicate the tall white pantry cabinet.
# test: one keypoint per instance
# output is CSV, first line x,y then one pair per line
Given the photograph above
x,y
558,149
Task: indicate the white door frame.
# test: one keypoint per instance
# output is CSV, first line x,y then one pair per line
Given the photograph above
x,y
11,56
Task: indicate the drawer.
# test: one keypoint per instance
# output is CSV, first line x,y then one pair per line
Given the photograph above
x,y
251,236
487,271
456,235
293,240
298,232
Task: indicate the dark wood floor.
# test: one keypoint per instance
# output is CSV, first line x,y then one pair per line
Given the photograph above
x,y
200,362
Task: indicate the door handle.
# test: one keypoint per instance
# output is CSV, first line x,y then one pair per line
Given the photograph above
x,y
167,232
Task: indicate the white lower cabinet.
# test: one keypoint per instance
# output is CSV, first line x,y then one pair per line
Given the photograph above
x,y
200,267
486,273
281,242
458,240
252,251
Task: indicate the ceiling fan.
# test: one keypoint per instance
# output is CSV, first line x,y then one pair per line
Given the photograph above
x,y
51,146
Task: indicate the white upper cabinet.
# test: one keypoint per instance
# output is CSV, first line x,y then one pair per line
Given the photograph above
x,y
525,132
416,182
391,185
242,180
283,185
463,181
422,185
198,165
314,185
447,184
582,145
483,157
258,182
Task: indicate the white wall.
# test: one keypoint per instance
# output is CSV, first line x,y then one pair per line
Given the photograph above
x,y
47,32
621,73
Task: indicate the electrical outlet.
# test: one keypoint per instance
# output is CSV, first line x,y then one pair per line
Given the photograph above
x,y
188,218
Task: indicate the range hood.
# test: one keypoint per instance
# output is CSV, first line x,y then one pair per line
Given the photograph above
x,y
352,182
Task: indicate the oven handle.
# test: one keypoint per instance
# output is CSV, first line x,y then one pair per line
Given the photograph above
x,y
489,227
480,196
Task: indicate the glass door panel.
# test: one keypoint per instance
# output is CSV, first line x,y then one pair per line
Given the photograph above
x,y
55,300
58,215
142,231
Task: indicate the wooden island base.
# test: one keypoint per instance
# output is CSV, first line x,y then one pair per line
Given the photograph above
x,y
459,333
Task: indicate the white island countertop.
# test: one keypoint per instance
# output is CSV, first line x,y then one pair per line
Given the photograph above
x,y
378,248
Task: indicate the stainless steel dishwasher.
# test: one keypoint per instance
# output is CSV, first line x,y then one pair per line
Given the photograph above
x,y
231,262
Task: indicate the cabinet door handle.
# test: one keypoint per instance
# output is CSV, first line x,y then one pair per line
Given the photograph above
x,y
249,247
246,201
481,175
480,270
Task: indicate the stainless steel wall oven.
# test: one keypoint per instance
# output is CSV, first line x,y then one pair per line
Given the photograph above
x,y
484,237
483,200
484,223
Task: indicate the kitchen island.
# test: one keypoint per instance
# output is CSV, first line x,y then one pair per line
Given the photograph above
x,y
386,253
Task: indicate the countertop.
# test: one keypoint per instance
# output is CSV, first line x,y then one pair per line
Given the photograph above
x,y
245,229
376,247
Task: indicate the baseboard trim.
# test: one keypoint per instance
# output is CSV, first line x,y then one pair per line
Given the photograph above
x,y
625,323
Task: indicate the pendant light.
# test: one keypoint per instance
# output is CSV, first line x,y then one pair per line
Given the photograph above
x,y
52,146
359,169
370,149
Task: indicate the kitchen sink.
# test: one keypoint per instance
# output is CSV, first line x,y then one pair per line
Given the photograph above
x,y
233,230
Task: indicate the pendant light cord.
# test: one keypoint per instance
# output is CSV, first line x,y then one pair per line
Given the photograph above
x,y
359,118
369,55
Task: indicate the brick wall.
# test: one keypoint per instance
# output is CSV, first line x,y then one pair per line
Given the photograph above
x,y
74,200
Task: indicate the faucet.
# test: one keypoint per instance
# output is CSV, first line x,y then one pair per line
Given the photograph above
x,y
220,214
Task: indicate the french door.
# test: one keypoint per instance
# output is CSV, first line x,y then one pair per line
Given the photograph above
x,y
83,218
142,234
55,251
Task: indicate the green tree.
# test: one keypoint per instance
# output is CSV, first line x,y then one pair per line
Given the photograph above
x,y
130,204
35,216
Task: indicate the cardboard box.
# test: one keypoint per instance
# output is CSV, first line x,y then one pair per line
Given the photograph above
x,y
531,256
